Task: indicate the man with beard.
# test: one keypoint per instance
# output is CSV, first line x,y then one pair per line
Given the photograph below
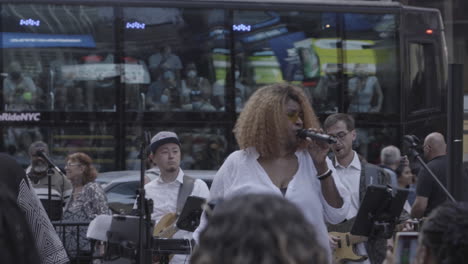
x,y
38,173
167,191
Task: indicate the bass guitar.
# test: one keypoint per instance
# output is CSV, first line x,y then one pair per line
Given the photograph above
x,y
346,250
165,228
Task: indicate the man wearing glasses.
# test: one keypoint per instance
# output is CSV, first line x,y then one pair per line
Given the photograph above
x,y
351,170
38,173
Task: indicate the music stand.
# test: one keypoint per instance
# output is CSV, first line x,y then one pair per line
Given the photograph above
x,y
379,211
123,238
189,218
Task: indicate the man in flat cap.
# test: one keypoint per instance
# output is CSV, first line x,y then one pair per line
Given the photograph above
x,y
170,189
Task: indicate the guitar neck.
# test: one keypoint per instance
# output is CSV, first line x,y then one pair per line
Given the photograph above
x,y
357,239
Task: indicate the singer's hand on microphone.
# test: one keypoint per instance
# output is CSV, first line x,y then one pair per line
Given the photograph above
x,y
318,150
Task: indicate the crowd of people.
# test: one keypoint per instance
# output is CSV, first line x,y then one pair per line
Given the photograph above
x,y
278,196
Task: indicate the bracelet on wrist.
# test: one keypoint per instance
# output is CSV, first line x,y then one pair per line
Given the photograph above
x,y
325,175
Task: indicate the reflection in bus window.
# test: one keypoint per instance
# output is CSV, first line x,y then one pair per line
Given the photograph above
x,y
325,93
424,91
241,91
164,60
18,139
96,139
370,63
370,141
64,46
202,148
364,91
287,46
164,93
180,60
19,91
136,78
193,82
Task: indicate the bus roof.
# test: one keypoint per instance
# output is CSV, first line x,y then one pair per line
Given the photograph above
x,y
227,2
254,4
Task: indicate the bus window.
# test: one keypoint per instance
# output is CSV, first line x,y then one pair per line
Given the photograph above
x,y
370,66
58,58
425,91
96,139
291,46
370,141
175,50
17,140
201,148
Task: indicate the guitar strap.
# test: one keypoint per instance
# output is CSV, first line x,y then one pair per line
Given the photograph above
x,y
185,190
371,174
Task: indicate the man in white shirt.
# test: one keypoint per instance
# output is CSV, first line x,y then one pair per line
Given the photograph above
x,y
164,190
349,170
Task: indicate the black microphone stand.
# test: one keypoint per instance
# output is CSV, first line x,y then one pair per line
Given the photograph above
x,y
50,172
415,153
144,208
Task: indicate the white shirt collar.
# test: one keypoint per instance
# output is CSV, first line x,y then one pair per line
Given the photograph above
x,y
355,163
180,177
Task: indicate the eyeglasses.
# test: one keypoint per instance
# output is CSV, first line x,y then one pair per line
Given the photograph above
x,y
68,165
293,116
341,135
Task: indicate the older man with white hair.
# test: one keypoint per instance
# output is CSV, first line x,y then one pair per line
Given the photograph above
x,y
390,158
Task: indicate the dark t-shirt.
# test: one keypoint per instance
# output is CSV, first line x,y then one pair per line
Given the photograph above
x,y
428,187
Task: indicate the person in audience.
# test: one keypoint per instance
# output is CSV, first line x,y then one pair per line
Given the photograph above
x,y
273,157
258,228
16,240
405,179
390,159
428,192
44,239
87,201
37,173
442,238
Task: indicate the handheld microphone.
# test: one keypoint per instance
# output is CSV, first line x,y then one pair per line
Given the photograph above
x,y
304,133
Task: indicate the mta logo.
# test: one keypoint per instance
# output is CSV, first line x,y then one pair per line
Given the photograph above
x,y
135,25
241,27
29,22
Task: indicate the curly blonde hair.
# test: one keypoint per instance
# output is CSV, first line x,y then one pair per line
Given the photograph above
x,y
90,172
262,122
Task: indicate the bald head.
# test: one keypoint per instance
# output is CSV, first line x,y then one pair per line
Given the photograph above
x,y
434,146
